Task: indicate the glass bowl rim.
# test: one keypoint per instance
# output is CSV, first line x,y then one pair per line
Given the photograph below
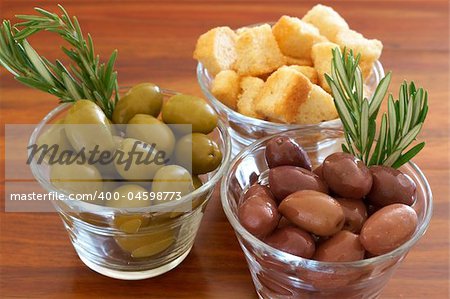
x,y
264,123
309,263
226,156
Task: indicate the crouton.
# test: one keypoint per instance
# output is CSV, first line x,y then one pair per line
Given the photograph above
x,y
250,88
322,56
308,71
327,20
317,108
215,49
241,30
298,61
257,52
282,95
265,76
370,49
295,37
225,88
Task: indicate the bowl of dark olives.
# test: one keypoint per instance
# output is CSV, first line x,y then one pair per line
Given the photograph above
x,y
314,221
134,186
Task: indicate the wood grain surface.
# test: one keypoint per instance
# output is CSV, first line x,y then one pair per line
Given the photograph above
x,y
155,41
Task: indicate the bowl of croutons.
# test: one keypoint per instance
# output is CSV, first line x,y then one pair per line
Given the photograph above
x,y
267,78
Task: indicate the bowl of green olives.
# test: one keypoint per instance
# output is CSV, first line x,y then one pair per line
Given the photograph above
x,y
134,217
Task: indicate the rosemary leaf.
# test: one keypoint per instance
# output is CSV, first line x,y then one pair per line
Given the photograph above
x,y
81,80
116,90
379,94
359,84
31,18
379,155
345,115
408,155
66,17
408,117
344,148
91,47
372,131
364,125
409,137
392,158
37,62
110,65
4,61
25,33
341,72
33,83
399,127
392,113
417,103
70,86
402,105
87,92
77,28
424,109
350,147
46,13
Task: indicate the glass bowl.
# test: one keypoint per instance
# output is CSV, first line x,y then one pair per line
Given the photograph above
x,y
245,130
165,237
277,274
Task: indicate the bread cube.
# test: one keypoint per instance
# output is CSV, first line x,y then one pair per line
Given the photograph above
x,y
318,107
295,37
257,52
215,49
370,49
308,71
241,30
282,95
327,20
250,88
298,61
322,56
225,88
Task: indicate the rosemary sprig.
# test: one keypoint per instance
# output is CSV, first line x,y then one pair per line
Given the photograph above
x,y
87,78
399,127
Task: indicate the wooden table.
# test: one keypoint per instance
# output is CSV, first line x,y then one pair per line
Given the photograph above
x,y
155,42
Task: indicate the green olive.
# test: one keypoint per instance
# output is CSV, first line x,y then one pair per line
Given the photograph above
x,y
200,151
172,178
88,127
190,110
107,168
136,161
144,98
197,182
200,199
146,245
92,218
54,135
111,185
131,223
114,128
76,179
129,196
152,131
117,140
166,217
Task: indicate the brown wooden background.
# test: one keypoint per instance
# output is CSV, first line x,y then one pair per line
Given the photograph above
x,y
155,41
